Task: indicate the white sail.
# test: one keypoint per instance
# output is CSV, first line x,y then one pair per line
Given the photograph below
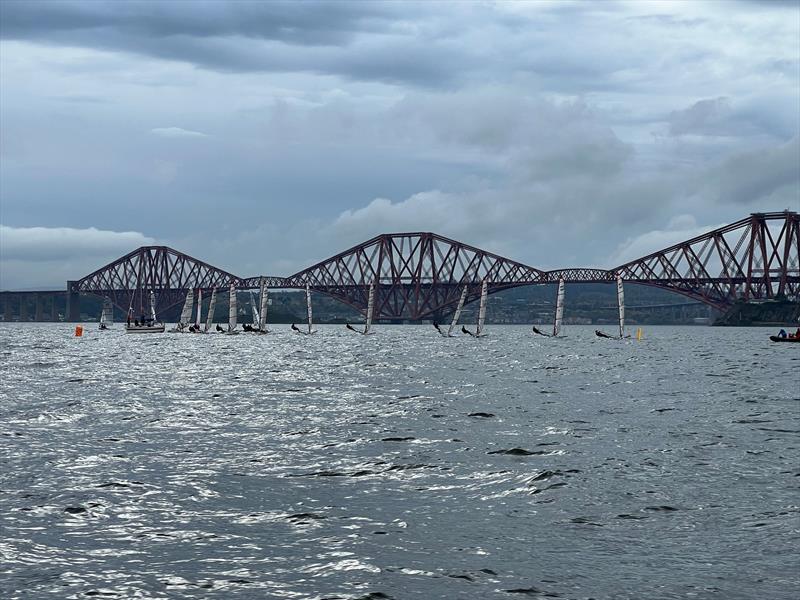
x,y
199,308
482,309
262,317
457,314
152,306
107,316
370,307
211,306
559,308
232,309
254,308
186,313
308,306
621,302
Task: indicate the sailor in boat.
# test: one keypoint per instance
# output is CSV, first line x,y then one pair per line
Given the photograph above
x,y
350,327
438,328
297,329
782,333
467,331
220,329
538,331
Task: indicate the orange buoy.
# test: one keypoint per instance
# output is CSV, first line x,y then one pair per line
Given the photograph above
x,y
78,331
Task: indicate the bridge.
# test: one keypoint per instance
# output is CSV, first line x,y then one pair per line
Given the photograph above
x,y
420,275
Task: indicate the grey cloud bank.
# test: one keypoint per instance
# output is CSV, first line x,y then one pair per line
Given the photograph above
x,y
263,137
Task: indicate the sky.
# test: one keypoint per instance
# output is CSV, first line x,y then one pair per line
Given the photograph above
x,y
263,137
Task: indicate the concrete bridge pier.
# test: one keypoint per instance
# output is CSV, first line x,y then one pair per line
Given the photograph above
x,y
73,312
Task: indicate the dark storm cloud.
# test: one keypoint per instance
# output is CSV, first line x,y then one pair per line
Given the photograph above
x,y
300,23
360,40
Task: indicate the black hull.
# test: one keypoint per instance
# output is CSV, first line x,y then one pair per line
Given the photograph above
x,y
775,338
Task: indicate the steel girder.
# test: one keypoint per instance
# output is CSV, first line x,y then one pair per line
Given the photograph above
x,y
421,275
168,273
417,275
752,259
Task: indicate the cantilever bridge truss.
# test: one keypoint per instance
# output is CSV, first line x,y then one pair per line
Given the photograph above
x,y
421,275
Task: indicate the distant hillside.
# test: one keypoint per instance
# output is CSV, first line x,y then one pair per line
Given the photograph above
x,y
585,304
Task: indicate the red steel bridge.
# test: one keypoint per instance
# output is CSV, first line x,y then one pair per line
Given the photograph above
x,y
420,275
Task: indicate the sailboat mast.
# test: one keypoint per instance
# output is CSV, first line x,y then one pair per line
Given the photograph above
x,y
370,307
262,316
212,304
199,307
308,306
482,309
254,308
152,306
232,308
559,308
621,303
457,314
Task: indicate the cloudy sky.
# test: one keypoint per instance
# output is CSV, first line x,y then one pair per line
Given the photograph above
x,y
263,137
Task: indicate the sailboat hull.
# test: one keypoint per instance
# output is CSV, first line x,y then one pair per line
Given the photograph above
x,y
158,328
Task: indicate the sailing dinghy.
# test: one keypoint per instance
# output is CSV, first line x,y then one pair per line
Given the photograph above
x,y
559,313
456,315
146,325
262,314
370,311
195,327
186,314
481,314
311,329
211,306
253,326
232,311
107,315
621,306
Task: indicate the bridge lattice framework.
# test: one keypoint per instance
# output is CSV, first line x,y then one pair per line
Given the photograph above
x,y
421,274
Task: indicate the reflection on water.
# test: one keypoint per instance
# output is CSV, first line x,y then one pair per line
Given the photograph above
x,y
399,465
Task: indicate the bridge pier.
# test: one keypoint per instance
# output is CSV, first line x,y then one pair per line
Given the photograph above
x,y
73,311
54,309
23,308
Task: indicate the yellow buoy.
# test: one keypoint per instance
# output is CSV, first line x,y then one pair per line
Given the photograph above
x,y
78,331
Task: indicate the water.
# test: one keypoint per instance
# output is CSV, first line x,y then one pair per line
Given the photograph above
x,y
400,465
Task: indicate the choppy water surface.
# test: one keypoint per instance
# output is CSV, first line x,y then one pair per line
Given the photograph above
x,y
400,465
